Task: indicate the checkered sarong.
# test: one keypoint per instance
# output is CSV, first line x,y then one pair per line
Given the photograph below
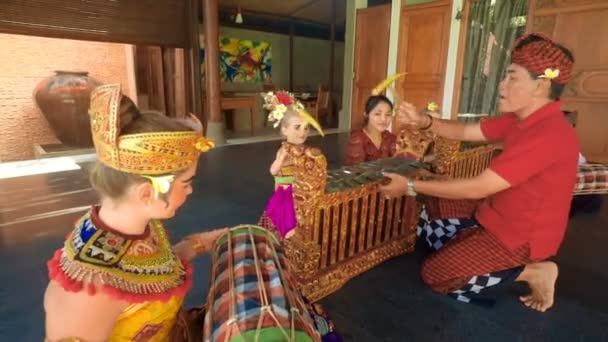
x,y
592,179
437,233
467,258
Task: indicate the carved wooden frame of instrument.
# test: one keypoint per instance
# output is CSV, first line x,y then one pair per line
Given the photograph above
x,y
343,234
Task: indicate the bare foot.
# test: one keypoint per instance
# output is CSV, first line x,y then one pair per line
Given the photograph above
x,y
541,278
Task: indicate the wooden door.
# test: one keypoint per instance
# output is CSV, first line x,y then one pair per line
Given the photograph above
x,y
371,56
582,26
423,46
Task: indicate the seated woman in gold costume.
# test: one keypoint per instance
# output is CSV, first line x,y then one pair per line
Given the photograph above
x,y
117,277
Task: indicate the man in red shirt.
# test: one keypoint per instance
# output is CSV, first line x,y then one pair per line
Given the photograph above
x,y
527,189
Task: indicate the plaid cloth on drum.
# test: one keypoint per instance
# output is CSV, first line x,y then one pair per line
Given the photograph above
x,y
253,295
592,179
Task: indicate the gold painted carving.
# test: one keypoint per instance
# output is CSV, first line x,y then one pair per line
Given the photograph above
x,y
340,234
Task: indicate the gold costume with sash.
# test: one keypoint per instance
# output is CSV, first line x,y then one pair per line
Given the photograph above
x,y
142,270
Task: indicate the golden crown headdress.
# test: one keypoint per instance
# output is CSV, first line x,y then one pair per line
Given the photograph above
x,y
278,103
146,154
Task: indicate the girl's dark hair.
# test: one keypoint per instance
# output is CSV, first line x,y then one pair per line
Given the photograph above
x,y
372,102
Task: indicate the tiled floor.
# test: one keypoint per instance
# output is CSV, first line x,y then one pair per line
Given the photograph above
x,y
388,303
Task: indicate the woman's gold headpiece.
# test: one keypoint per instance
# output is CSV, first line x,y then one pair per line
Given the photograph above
x,y
152,154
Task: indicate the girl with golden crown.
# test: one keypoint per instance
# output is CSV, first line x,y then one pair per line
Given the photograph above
x,y
117,277
293,120
280,217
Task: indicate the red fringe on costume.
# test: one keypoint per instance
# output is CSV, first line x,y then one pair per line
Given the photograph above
x,y
57,274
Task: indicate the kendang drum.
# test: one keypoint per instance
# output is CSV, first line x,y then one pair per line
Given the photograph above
x,y
253,295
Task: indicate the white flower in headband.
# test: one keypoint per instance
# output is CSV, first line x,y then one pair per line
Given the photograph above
x,y
160,184
277,105
278,114
280,109
550,74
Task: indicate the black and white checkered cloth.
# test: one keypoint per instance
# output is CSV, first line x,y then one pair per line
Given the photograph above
x,y
475,285
437,233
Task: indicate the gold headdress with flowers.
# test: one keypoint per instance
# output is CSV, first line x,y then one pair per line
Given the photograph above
x,y
148,154
278,103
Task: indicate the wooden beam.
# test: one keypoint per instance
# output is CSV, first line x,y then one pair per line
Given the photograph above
x,y
168,69
272,16
291,57
179,82
192,65
460,55
158,98
212,60
212,71
303,6
332,48
265,22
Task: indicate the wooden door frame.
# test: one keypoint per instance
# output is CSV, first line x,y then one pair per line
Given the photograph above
x,y
353,100
460,55
550,18
405,7
402,50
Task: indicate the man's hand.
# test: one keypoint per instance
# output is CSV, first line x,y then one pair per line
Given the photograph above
x,y
408,115
397,186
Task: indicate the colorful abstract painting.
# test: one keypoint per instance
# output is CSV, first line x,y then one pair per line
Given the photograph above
x,y
242,60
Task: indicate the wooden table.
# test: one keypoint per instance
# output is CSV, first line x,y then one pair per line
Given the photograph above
x,y
237,102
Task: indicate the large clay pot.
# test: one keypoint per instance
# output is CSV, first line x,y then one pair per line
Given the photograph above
x,y
64,100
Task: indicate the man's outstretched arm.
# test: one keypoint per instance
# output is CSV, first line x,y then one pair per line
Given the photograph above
x,y
482,186
450,129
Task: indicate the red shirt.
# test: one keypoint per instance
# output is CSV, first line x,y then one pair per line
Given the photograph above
x,y
361,148
539,160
